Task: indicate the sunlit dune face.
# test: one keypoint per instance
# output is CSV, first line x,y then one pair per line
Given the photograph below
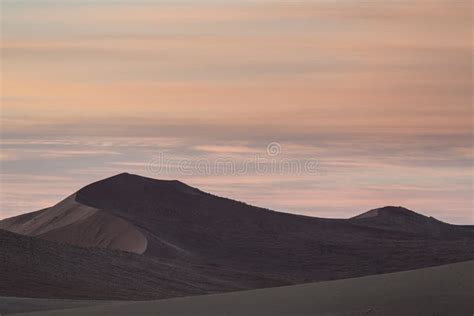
x,y
379,92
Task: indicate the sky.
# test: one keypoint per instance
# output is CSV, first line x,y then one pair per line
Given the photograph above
x,y
370,102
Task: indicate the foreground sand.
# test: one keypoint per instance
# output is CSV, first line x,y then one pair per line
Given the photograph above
x,y
13,305
443,290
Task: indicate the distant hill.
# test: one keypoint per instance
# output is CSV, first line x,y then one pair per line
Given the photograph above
x,y
222,244
402,219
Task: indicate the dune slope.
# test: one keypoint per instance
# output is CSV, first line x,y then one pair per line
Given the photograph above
x,y
33,267
72,222
443,290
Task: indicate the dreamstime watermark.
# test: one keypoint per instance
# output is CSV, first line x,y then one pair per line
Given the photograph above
x,y
273,149
270,163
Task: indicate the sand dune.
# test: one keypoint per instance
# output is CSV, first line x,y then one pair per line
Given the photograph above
x,y
72,222
14,305
102,230
181,241
443,290
66,212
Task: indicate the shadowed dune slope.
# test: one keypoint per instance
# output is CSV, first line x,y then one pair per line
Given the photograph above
x,y
443,290
33,267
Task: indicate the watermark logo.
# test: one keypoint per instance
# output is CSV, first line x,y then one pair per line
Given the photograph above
x,y
272,162
273,149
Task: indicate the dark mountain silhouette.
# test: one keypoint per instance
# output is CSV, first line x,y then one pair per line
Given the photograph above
x,y
214,244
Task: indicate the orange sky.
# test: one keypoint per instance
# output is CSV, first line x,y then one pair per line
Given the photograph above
x,y
379,92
